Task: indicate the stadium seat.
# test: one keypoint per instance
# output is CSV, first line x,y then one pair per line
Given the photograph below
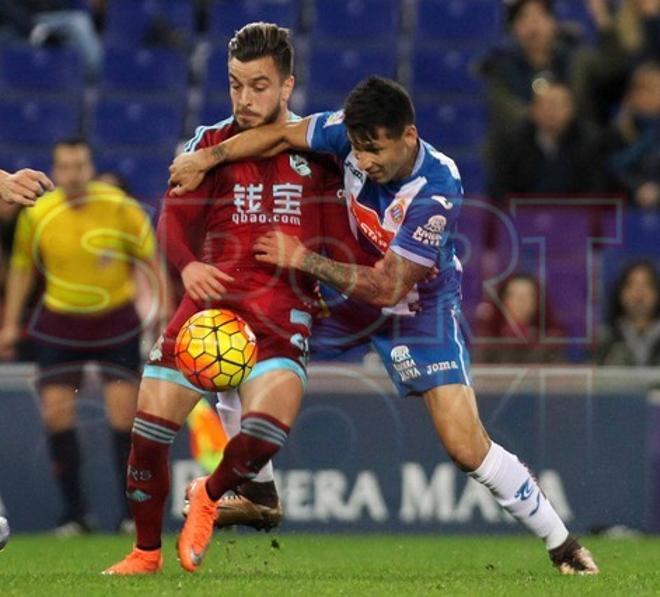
x,y
14,157
24,68
145,173
351,20
215,81
441,69
338,69
41,122
227,16
473,172
577,13
154,70
326,102
214,109
130,22
452,123
441,20
149,123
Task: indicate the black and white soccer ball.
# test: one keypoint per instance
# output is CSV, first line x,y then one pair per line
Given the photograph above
x,y
4,532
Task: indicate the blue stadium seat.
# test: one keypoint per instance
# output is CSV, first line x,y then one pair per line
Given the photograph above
x,y
128,22
13,157
227,16
339,69
154,70
40,122
441,20
214,109
145,173
216,81
576,13
317,102
149,123
44,70
473,173
452,123
350,20
441,69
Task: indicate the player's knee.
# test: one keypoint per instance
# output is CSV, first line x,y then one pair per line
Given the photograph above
x,y
57,412
467,455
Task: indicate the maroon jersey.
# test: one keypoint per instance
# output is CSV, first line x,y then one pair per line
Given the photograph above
x,y
294,192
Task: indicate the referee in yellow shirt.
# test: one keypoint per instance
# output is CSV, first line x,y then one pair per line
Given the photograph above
x,y
87,239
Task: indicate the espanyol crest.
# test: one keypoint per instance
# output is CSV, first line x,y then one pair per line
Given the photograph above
x,y
300,165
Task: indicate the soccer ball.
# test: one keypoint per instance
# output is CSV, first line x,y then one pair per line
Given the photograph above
x,y
4,532
215,350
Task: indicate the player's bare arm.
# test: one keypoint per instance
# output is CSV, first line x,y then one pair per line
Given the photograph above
x,y
188,169
383,285
24,186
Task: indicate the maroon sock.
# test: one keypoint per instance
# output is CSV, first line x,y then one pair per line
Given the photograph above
x,y
260,438
148,477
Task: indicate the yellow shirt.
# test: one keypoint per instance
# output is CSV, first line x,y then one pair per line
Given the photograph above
x,y
86,248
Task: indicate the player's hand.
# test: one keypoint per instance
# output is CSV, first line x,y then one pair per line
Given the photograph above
x,y
187,171
9,336
24,187
204,282
278,248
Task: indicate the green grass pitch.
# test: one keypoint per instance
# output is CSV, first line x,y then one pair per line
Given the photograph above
x,y
299,564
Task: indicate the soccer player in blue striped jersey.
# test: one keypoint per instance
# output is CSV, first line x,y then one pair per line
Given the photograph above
x,y
403,199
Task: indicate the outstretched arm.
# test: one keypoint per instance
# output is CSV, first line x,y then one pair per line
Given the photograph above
x,y
188,169
383,285
23,187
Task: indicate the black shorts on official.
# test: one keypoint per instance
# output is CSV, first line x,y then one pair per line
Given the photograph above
x,y
65,343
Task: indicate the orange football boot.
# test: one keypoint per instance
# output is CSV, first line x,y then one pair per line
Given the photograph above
x,y
138,562
198,528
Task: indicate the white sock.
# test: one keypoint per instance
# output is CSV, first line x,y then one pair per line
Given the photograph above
x,y
514,488
230,412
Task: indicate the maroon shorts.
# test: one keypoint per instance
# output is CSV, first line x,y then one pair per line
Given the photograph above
x,y
277,337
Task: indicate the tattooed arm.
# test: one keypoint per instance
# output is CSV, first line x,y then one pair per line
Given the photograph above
x,y
188,169
383,285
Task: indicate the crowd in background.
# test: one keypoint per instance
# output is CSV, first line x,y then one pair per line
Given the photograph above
x,y
573,111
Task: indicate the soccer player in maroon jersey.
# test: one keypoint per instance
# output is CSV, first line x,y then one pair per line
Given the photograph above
x,y
208,236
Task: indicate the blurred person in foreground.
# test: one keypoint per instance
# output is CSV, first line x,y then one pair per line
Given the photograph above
x,y
87,239
551,152
634,142
514,329
631,336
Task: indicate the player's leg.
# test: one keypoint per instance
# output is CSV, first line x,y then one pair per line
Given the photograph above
x,y
453,410
121,405
254,502
271,402
120,367
58,413
163,406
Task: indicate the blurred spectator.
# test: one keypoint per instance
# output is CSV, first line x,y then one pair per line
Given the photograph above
x,y
628,34
88,239
552,152
634,161
536,47
43,21
514,328
631,337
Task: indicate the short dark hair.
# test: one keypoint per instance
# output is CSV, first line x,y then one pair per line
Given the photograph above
x,y
256,40
377,102
513,8
72,142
